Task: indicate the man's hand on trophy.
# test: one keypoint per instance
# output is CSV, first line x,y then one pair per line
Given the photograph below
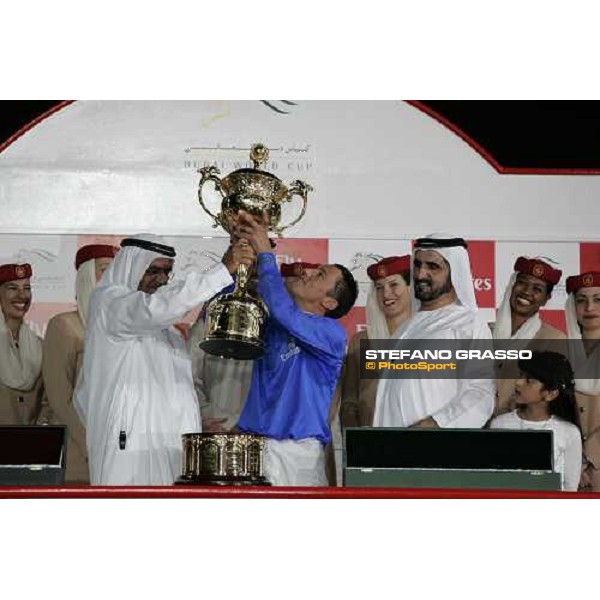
x,y
230,222
255,230
239,253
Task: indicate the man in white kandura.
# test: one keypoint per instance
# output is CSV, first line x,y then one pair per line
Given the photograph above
x,y
444,307
135,393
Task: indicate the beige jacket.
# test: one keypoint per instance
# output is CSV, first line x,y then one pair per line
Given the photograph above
x,y
589,416
356,395
221,384
21,408
62,359
510,371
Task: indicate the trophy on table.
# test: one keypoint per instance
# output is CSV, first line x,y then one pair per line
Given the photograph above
x,y
234,321
222,459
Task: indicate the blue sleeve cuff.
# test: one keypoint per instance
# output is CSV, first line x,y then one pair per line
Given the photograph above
x,y
267,257
268,261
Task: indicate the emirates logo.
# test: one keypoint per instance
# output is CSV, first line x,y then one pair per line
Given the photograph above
x,y
537,271
381,271
20,272
587,280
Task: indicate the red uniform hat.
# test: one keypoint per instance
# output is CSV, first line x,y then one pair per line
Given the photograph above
x,y
295,269
86,253
13,271
538,268
588,279
392,265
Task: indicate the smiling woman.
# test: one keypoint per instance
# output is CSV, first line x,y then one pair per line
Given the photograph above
x,y
583,324
15,300
388,306
20,350
587,310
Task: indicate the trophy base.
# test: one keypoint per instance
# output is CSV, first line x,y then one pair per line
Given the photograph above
x,y
230,480
232,348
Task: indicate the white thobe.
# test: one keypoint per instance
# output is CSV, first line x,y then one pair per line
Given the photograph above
x,y
566,444
136,383
457,403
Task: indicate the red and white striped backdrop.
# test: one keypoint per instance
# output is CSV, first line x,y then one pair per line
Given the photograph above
x,y
52,258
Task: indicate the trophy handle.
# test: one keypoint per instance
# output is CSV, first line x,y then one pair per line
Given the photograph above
x,y
210,174
297,188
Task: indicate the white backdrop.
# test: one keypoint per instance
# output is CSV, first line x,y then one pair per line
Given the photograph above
x,y
381,170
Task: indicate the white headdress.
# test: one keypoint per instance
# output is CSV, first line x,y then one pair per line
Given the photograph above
x,y
454,250
85,282
135,256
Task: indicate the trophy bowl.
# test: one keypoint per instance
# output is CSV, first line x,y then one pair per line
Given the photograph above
x,y
222,459
233,327
234,322
254,191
